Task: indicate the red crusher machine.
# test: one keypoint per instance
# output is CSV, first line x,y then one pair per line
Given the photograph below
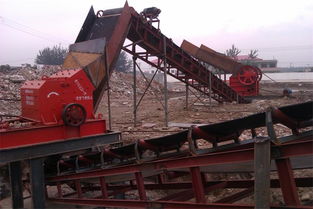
x,y
54,108
244,79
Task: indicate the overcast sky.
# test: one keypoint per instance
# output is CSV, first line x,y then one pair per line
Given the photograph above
x,y
278,29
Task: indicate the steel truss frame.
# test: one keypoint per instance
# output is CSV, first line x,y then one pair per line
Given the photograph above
x,y
189,70
285,153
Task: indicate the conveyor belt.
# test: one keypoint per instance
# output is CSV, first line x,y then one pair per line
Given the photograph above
x,y
110,172
169,146
101,39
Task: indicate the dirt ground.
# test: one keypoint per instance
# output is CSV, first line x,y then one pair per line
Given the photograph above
x,y
151,116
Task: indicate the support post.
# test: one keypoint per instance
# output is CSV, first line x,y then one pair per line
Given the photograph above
x,y
270,125
109,108
210,88
78,188
262,168
197,184
287,182
134,87
37,183
165,83
59,188
104,188
108,85
187,95
16,185
140,186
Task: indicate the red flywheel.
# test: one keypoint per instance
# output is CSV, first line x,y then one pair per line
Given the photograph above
x,y
249,75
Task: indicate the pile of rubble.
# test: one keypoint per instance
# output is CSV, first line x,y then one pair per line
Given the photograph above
x,y
11,81
121,85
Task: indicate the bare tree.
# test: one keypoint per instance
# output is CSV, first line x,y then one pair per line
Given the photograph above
x,y
232,52
253,53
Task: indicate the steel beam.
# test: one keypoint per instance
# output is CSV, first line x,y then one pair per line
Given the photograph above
x,y
237,196
140,186
16,185
212,185
287,182
299,148
59,188
108,87
48,149
159,204
187,96
104,188
134,86
180,60
165,82
197,184
78,188
262,169
37,183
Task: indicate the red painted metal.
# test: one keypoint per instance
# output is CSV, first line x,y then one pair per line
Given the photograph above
x,y
237,196
201,160
84,159
59,188
160,204
140,186
104,188
209,185
287,182
204,135
18,137
146,145
247,75
78,188
188,70
54,126
188,194
108,152
181,195
198,187
197,184
299,148
284,119
44,100
244,80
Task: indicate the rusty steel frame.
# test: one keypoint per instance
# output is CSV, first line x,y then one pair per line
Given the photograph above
x,y
294,149
126,166
149,82
144,175
188,69
199,185
134,172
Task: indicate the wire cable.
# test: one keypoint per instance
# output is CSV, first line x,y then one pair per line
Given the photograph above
x,y
28,30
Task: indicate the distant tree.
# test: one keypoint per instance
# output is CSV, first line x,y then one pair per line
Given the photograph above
x,y
4,68
253,53
51,56
232,52
123,64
